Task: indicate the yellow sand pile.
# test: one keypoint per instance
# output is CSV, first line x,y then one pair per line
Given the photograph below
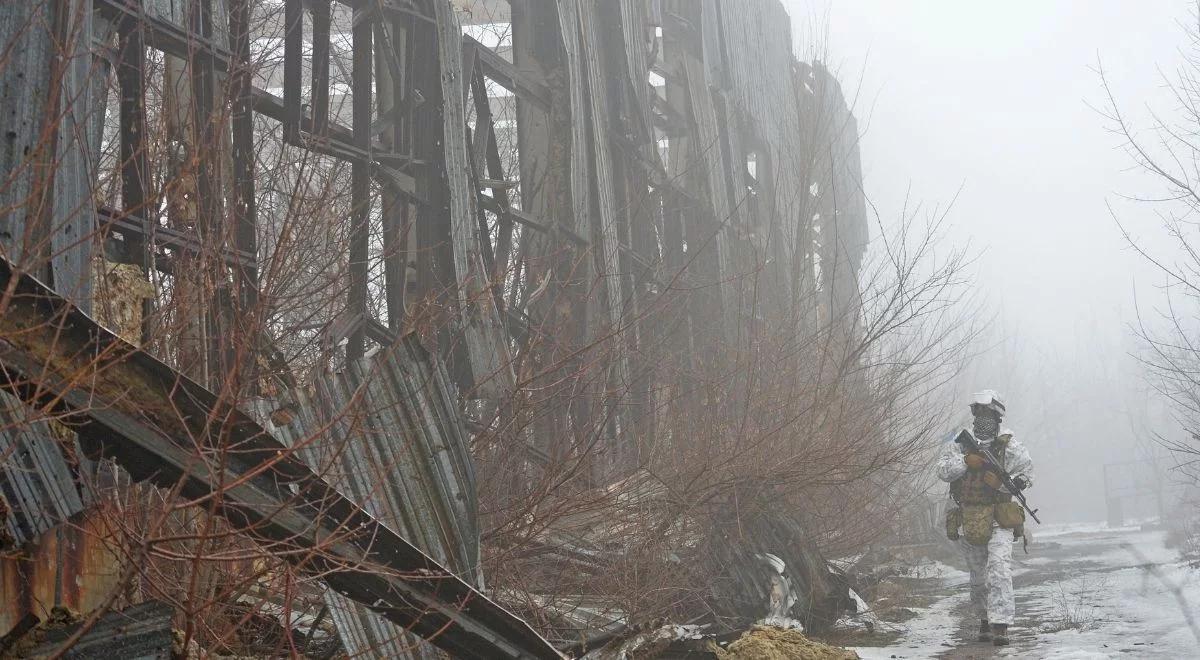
x,y
767,643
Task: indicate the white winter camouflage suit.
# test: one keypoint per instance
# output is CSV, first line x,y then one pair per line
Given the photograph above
x,y
991,566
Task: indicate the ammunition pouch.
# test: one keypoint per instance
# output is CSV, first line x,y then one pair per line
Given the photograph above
x,y
954,520
977,523
1010,515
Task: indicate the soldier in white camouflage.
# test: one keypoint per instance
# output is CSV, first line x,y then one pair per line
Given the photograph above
x,y
986,512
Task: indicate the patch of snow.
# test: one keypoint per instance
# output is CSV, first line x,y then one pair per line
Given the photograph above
x,y
948,574
785,622
1054,530
925,636
1075,654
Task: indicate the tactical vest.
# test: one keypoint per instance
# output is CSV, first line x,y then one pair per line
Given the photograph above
x,y
970,489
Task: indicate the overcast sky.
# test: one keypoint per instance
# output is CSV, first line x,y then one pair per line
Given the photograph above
x,y
994,98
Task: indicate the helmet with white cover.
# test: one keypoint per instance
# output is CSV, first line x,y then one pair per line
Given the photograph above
x,y
988,408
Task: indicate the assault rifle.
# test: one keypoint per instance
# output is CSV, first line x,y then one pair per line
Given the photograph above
x,y
970,444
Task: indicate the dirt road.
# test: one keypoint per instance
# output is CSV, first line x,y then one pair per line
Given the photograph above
x,y
1084,593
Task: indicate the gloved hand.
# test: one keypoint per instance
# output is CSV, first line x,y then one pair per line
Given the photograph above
x,y
974,460
1020,483
992,480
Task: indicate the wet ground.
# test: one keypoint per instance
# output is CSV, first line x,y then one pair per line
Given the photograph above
x,y
1086,593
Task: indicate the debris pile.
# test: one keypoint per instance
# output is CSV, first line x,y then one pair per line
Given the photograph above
x,y
758,643
771,643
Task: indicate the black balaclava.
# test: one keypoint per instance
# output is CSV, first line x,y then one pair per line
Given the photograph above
x,y
987,423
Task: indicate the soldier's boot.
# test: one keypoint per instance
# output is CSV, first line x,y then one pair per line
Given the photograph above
x,y
1000,634
985,631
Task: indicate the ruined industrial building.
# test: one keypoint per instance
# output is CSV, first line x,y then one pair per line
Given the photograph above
x,y
405,328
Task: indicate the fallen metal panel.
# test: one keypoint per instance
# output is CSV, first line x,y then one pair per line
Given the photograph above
x,y
269,493
140,632
37,486
388,434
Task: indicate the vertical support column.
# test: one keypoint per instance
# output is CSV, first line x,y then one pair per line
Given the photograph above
x,y
606,231
360,191
549,173
705,156
293,44
483,332
135,168
434,292
634,167
25,41
245,210
72,222
392,89
320,67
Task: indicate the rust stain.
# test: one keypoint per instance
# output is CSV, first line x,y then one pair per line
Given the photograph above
x,y
70,566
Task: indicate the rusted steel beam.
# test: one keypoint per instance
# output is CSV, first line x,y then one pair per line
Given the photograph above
x,y
163,427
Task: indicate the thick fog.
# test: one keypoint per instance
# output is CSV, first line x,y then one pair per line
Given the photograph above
x,y
997,108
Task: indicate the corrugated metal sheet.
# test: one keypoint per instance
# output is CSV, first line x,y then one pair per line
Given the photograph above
x,y
141,632
31,50
37,485
26,42
387,432
73,214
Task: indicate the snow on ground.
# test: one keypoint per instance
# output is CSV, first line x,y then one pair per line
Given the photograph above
x,y
1132,602
1094,527
947,573
1092,593
930,632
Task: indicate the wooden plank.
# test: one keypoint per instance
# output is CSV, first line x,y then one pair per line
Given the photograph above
x,y
505,74
482,327
607,230
708,158
634,24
